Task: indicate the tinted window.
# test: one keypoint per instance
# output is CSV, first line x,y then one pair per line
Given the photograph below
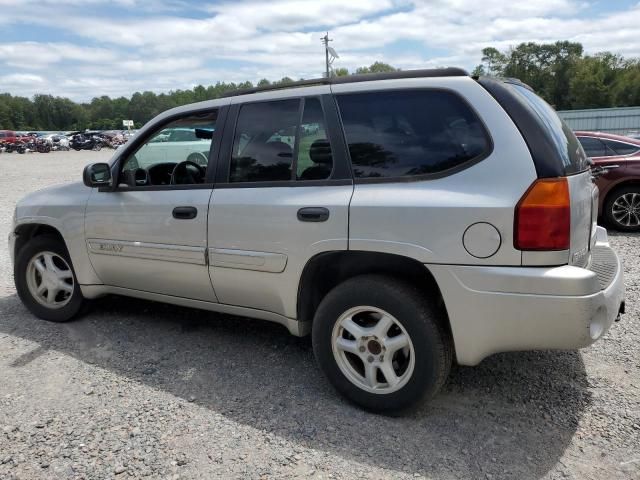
x,y
315,160
264,141
620,148
566,144
401,133
592,146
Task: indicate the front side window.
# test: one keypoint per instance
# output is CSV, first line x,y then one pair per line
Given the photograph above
x,y
273,143
408,133
175,154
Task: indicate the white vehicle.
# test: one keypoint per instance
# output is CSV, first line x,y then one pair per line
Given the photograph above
x,y
176,145
58,141
405,220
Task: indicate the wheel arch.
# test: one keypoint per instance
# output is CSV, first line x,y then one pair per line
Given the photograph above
x,y
326,270
623,184
26,231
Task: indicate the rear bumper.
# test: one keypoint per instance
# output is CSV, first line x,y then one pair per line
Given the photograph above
x,y
499,309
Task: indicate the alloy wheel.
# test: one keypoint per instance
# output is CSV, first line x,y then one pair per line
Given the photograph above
x,y
50,280
373,350
626,209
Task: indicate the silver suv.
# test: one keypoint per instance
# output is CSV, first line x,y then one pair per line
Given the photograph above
x,y
405,220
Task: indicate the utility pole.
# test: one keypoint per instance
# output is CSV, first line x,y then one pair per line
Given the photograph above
x,y
325,41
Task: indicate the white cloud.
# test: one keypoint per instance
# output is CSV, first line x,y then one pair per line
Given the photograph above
x,y
153,45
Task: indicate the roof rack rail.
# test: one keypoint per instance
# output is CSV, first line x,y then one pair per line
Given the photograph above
x,y
366,77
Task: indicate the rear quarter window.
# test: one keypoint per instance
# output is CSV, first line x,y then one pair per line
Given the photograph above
x,y
394,134
620,148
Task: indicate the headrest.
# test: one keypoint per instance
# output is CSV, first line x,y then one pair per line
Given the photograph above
x,y
320,151
269,154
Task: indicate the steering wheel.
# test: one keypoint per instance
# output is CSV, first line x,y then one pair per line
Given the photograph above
x,y
187,173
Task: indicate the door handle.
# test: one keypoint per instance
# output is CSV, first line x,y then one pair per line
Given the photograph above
x,y
185,213
313,214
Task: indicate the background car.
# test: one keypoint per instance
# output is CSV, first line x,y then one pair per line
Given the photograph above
x,y
619,184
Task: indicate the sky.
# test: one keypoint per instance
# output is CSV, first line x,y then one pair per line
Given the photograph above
x,y
86,48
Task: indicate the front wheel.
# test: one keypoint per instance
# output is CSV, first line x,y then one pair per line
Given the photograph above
x,y
45,280
382,343
622,209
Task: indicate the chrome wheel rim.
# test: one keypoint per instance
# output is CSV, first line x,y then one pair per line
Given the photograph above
x,y
626,209
50,280
373,350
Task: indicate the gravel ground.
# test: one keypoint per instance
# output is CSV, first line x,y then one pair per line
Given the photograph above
x,y
137,389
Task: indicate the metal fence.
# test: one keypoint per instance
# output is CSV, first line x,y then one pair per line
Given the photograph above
x,y
623,121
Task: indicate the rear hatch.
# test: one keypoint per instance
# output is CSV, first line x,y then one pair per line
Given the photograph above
x,y
557,154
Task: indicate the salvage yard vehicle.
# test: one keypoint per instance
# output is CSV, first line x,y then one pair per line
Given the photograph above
x,y
405,220
192,144
617,167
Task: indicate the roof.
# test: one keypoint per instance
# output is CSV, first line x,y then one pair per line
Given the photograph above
x,y
367,77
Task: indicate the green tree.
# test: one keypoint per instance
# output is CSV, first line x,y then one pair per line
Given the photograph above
x,y
377,67
592,81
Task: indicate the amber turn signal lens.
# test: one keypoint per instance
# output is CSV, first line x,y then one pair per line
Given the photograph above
x,y
543,216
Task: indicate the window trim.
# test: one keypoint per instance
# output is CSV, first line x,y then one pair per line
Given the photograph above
x,y
424,176
341,168
137,142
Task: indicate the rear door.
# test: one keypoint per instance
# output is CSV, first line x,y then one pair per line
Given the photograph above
x,y
281,197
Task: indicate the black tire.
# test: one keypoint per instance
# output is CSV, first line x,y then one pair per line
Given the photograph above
x,y
609,206
423,321
34,246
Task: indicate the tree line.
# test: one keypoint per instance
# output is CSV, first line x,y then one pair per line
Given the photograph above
x,y
565,77
560,72
46,112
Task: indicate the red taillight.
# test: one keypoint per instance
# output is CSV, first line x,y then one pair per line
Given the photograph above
x,y
543,216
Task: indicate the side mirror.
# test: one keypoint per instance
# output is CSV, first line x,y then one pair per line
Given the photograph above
x,y
97,175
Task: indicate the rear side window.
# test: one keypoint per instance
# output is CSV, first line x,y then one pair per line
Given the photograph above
x,y
273,143
620,148
565,142
264,141
408,133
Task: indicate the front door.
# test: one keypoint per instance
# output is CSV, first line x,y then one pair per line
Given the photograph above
x,y
150,233
281,197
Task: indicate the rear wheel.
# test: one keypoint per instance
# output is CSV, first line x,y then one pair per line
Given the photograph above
x,y
622,209
381,343
45,280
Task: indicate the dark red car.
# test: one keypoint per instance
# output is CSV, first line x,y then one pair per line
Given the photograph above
x,y
8,136
619,185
